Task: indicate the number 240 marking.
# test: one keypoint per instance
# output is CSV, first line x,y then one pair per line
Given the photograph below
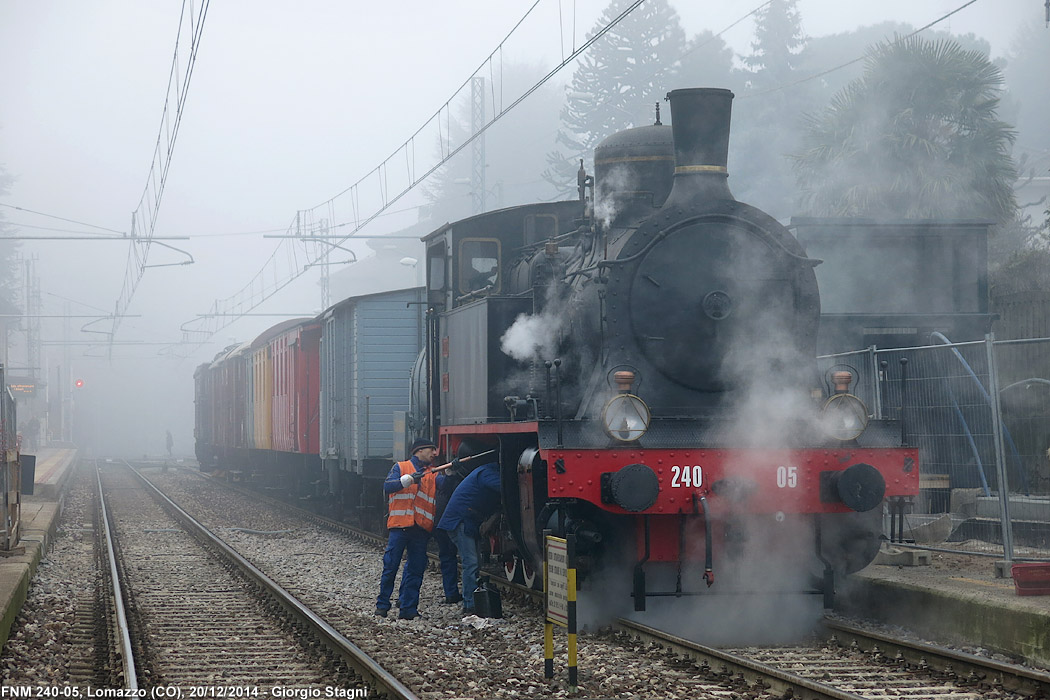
x,y
687,476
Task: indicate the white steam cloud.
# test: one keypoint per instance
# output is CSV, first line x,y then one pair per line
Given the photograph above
x,y
606,205
533,337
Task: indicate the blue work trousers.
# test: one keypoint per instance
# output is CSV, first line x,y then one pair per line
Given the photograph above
x,y
400,540
449,563
468,554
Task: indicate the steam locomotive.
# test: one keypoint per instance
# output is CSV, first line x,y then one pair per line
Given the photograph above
x,y
642,360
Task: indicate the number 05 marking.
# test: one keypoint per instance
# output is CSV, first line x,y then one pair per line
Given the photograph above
x,y
687,476
787,477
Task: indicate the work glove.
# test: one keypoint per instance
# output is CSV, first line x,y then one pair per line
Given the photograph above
x,y
407,480
418,476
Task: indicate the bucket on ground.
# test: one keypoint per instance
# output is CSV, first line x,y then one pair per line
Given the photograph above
x,y
1031,578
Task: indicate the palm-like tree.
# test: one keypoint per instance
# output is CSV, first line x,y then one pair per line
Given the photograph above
x,y
916,136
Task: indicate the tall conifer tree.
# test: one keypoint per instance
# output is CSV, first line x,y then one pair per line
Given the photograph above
x,y
767,117
616,84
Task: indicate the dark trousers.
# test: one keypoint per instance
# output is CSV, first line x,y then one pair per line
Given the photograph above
x,y
449,563
412,540
467,544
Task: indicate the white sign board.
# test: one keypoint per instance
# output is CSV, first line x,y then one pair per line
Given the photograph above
x,y
557,581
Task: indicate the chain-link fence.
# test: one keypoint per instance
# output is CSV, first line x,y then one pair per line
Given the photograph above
x,y
979,412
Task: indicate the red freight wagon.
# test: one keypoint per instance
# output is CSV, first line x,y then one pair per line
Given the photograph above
x,y
295,357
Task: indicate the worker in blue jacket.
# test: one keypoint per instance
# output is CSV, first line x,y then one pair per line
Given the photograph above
x,y
449,562
473,502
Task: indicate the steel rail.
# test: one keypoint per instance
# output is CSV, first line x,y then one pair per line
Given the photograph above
x,y
126,651
1012,677
758,675
353,655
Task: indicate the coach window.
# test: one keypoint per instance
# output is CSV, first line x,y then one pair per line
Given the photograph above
x,y
479,265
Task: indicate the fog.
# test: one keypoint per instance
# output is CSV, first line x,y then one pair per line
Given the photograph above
x,y
287,107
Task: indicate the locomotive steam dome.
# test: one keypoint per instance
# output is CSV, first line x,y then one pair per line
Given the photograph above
x,y
635,164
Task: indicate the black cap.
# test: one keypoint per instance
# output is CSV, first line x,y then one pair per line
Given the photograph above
x,y
420,443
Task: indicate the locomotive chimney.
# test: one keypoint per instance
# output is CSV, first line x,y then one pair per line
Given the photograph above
x,y
700,128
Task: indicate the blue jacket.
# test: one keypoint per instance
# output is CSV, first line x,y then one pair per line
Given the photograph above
x,y
474,500
393,479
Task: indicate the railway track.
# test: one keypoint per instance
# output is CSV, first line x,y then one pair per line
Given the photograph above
x,y
850,662
201,616
843,662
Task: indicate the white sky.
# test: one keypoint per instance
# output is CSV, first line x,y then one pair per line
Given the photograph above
x,y
289,104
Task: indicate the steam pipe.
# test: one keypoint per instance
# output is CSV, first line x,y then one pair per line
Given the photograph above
x,y
557,399
431,346
547,364
681,555
709,574
583,181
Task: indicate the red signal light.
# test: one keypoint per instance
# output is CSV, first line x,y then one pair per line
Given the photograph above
x,y
78,383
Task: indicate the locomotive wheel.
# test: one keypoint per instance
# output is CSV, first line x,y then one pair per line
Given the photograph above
x,y
512,570
528,573
520,571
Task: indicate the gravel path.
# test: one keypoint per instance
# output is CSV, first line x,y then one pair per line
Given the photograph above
x,y
41,649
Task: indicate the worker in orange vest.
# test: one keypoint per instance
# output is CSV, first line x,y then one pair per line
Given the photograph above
x,y
411,510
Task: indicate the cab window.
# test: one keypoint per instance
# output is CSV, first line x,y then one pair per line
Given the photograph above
x,y
479,265
539,227
436,268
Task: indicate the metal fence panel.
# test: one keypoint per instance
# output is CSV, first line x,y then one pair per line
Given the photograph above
x,y
946,396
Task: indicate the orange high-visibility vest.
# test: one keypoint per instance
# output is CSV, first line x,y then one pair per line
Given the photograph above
x,y
415,504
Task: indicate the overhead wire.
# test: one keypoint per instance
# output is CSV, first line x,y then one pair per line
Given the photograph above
x,y
87,234
239,300
855,60
357,223
52,216
144,217
719,34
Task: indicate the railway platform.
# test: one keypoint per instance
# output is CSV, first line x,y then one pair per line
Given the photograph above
x,y
956,598
40,513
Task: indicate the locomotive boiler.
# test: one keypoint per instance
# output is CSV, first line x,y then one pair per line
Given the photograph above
x,y
642,359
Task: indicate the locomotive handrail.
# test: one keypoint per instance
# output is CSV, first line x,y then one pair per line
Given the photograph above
x,y
660,235
479,293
